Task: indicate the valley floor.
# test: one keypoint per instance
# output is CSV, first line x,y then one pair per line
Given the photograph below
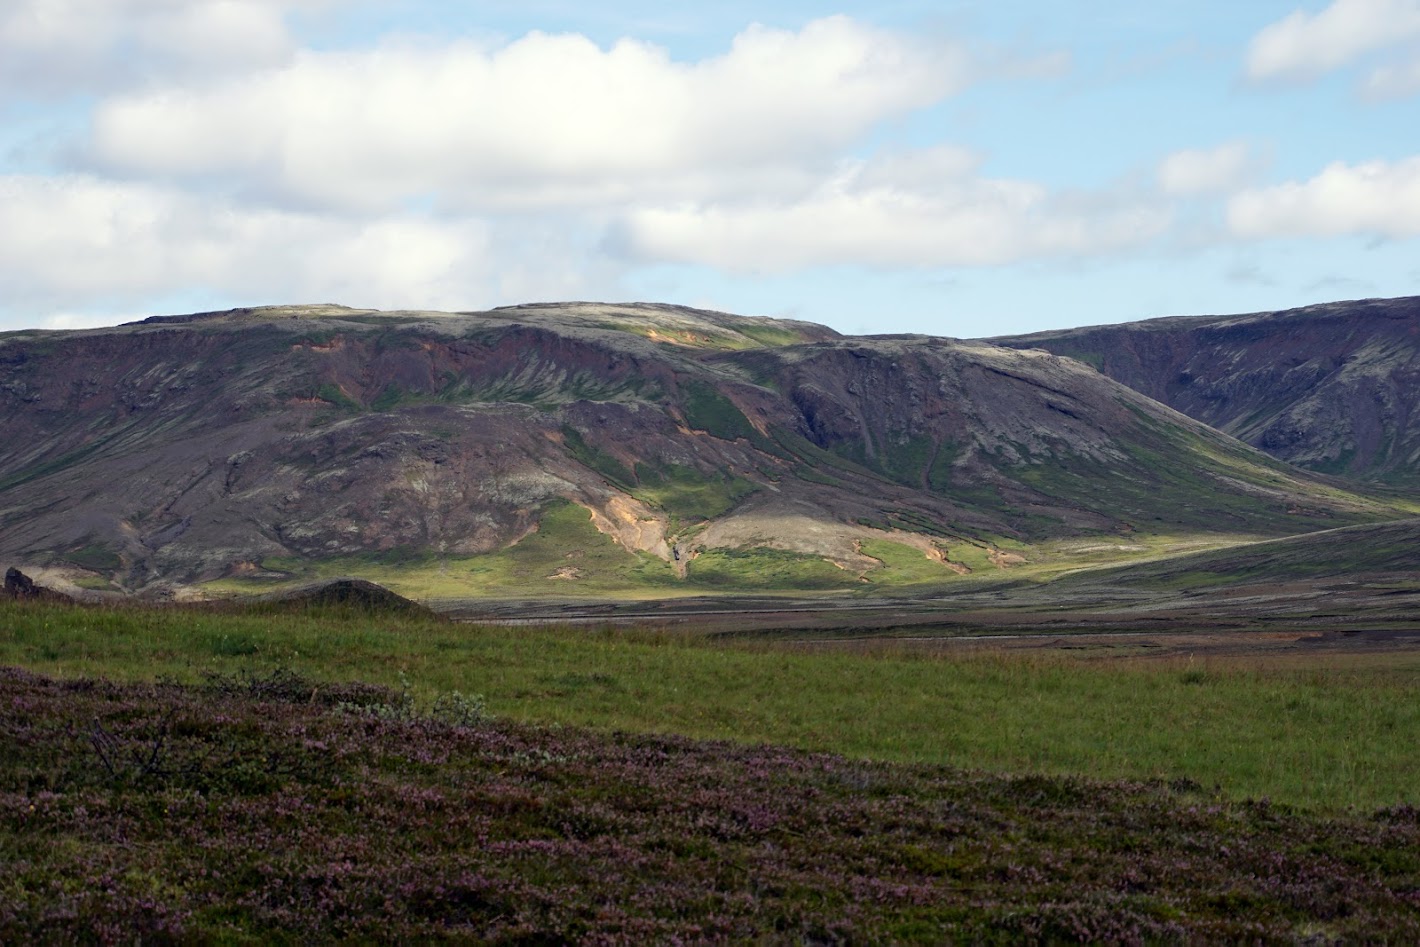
x,y
779,772
1320,718
1378,612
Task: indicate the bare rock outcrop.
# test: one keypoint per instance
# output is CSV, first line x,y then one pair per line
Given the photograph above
x,y
21,587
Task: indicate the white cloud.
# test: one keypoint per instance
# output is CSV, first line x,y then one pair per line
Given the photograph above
x,y
55,47
240,32
547,120
72,244
1377,197
1305,45
1207,171
872,214
298,179
1395,80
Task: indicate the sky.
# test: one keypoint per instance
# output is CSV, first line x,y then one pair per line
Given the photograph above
x,y
962,167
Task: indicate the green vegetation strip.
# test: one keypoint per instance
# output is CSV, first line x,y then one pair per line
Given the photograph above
x,y
567,557
1318,738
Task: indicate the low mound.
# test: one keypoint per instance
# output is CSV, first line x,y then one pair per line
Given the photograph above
x,y
347,593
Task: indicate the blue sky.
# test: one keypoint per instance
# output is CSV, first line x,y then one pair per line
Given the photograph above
x,y
958,168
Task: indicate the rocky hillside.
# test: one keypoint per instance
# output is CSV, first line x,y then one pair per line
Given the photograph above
x,y
1333,388
246,443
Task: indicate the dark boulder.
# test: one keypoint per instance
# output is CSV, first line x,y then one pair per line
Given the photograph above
x,y
20,586
17,584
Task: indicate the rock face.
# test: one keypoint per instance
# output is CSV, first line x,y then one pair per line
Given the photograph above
x,y
1333,388
20,586
197,447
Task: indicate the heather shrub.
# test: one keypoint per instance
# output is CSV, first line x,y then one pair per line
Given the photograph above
x,y
453,709
288,686
459,710
269,816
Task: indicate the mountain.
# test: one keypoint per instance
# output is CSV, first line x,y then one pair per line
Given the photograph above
x,y
593,448
1334,388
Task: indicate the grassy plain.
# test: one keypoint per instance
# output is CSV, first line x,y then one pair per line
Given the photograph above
x,y
1327,734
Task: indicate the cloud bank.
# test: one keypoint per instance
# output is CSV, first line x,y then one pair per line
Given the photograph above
x,y
1305,45
1377,198
79,241
62,47
545,121
1207,171
434,174
926,209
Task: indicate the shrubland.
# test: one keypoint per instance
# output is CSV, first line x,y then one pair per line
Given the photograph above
x,y
271,807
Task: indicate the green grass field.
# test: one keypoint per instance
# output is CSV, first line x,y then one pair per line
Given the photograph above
x,y
1323,737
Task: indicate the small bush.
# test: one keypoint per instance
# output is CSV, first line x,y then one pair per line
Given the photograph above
x,y
453,709
233,646
287,686
460,710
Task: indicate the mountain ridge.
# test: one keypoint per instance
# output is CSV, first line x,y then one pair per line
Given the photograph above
x,y
1333,387
704,447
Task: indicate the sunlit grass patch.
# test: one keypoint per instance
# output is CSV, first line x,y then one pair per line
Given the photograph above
x,y
762,568
905,565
